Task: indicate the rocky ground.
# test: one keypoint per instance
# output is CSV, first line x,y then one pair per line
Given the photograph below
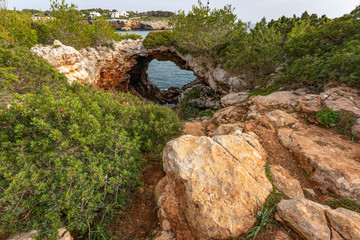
x,y
215,174
309,163
225,168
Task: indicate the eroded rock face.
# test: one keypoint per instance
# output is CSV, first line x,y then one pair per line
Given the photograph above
x,y
216,182
123,67
345,222
316,221
234,98
281,119
286,183
332,162
305,217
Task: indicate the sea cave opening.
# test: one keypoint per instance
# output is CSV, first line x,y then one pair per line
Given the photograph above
x,y
160,77
165,74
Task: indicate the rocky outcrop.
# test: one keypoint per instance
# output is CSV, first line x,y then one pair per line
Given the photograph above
x,y
305,217
233,98
127,25
315,221
214,185
331,162
123,67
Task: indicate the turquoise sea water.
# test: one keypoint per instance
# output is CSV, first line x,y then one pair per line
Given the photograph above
x,y
165,74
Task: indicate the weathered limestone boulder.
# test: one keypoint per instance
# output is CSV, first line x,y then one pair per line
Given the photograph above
x,y
234,98
282,100
342,98
315,221
305,217
280,118
345,222
332,162
62,235
338,98
229,128
230,114
213,185
310,103
286,183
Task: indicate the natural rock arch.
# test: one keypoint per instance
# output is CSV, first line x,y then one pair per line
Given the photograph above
x,y
123,67
140,82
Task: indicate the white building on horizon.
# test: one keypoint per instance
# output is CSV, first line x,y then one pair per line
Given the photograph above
x,y
119,14
94,14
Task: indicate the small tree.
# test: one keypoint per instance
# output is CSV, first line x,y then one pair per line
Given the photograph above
x,y
203,30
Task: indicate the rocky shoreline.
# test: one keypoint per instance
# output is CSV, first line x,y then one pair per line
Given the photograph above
x,y
128,25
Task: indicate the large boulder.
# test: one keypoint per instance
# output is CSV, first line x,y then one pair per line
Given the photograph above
x,y
332,162
217,184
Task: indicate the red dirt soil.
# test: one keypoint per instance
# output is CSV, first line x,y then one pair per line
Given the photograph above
x,y
140,220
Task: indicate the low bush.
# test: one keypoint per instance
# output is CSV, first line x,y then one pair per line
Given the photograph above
x,y
71,157
328,116
189,107
23,72
340,120
158,39
15,27
69,27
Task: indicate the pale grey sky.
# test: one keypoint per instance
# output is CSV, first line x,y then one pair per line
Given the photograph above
x,y
246,10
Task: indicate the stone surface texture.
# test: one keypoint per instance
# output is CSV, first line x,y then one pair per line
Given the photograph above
x,y
286,183
315,221
305,217
234,98
213,185
331,162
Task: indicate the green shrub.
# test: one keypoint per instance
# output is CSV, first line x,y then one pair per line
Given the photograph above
x,y
70,158
15,27
340,120
158,39
257,54
328,116
23,72
320,54
204,30
344,203
69,27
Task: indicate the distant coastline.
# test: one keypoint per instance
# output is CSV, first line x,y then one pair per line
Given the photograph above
x,y
128,25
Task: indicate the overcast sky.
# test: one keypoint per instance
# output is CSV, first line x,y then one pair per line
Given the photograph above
x,y
246,10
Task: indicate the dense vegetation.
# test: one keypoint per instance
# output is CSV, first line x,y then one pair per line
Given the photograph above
x,y
305,51
70,155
